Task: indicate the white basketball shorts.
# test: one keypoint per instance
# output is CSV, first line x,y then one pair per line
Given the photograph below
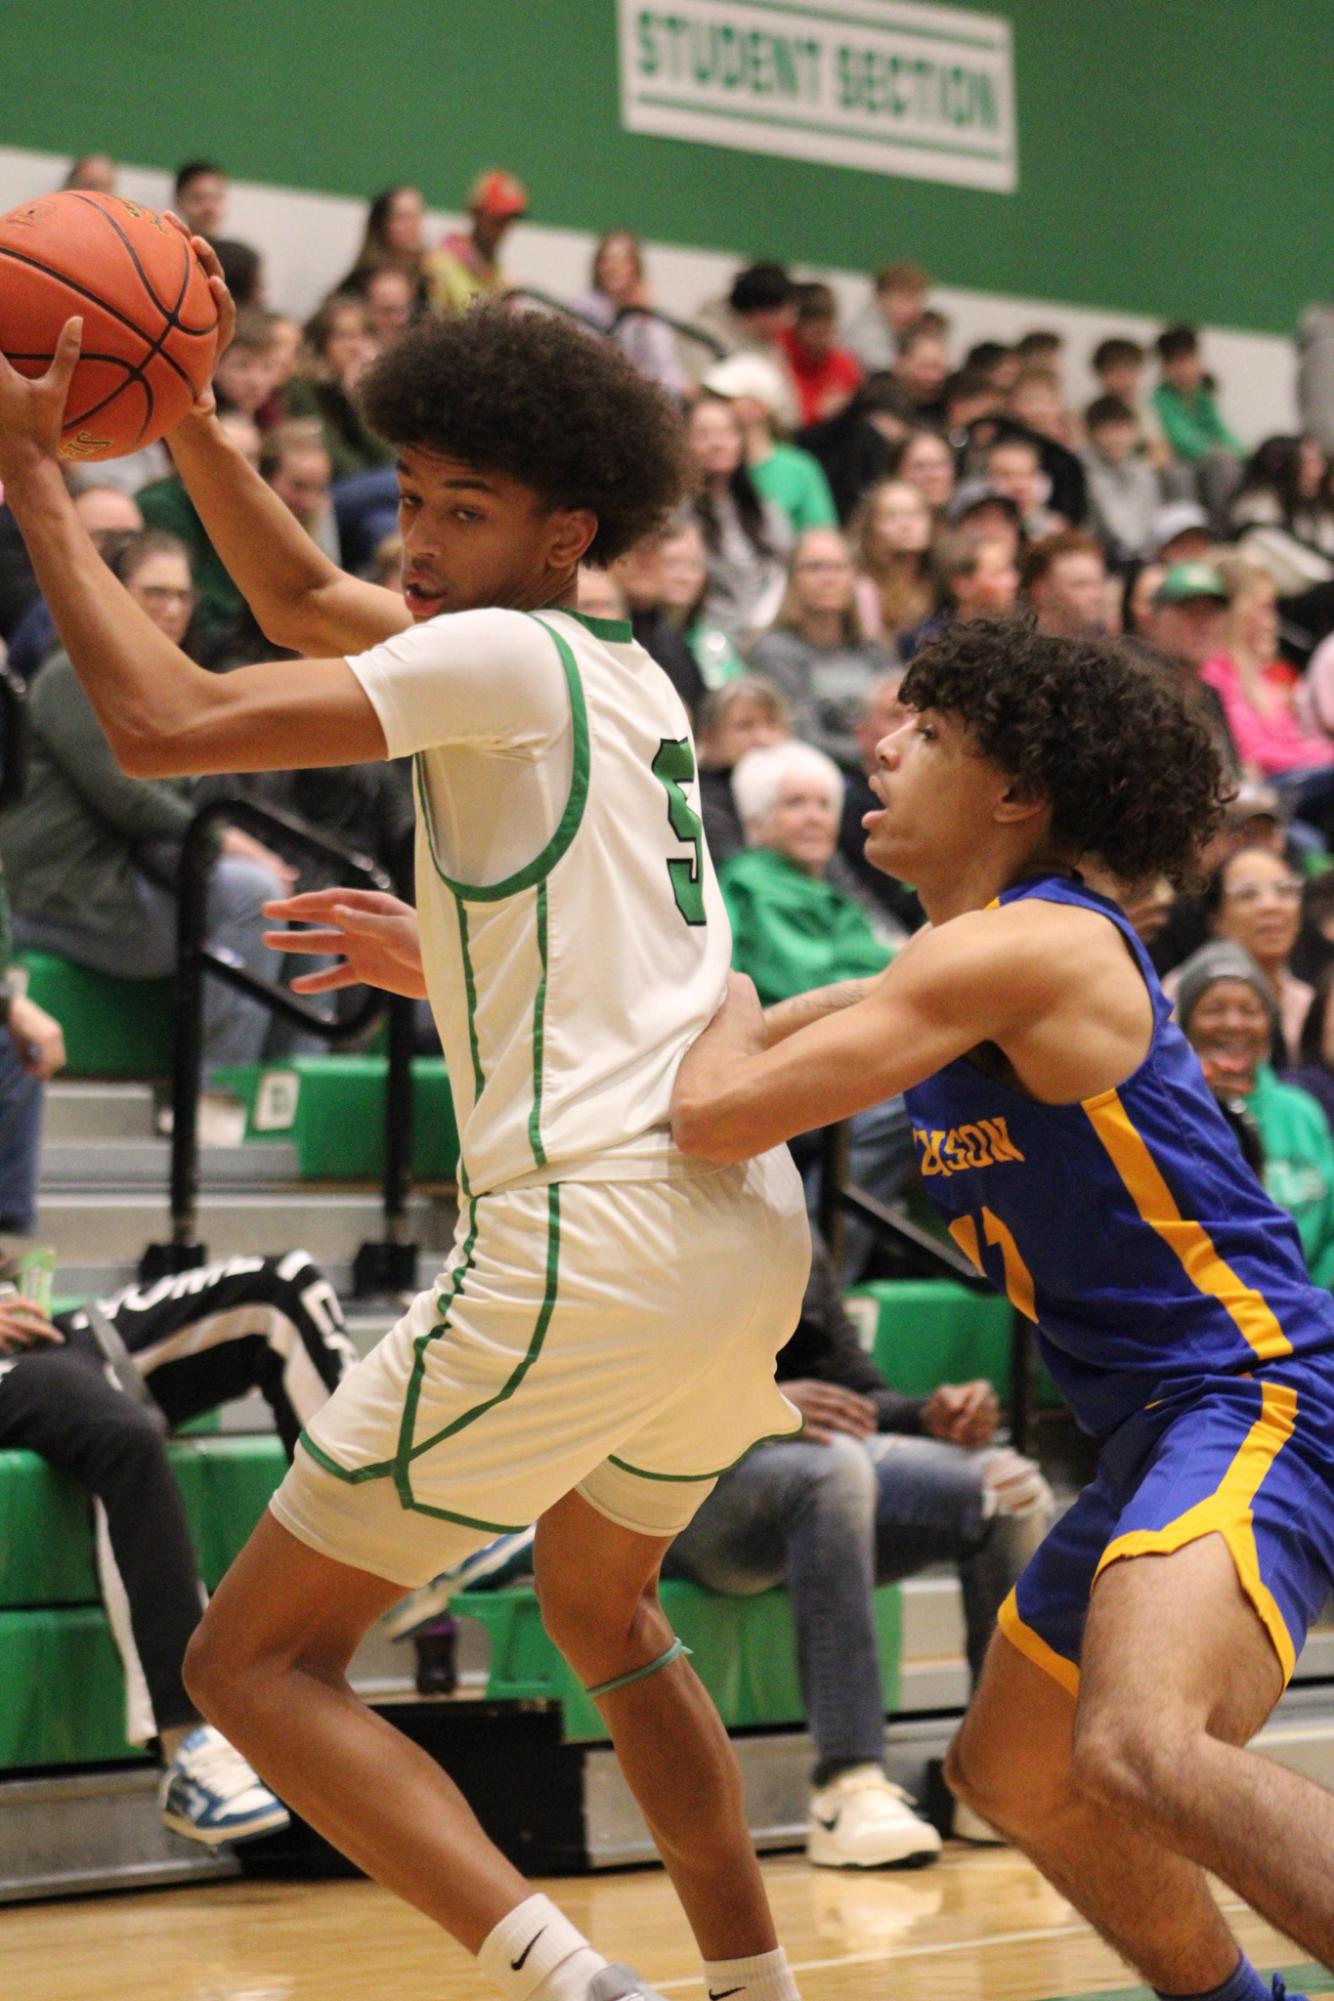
x,y
613,1337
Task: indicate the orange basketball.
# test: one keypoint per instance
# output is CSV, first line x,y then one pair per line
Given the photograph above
x,y
149,319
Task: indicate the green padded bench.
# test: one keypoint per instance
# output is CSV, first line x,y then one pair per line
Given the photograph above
x,y
332,1109
925,1331
62,1696
743,1649
112,1027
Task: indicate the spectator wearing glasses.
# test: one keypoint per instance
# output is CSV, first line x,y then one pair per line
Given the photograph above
x,y
818,653
1254,900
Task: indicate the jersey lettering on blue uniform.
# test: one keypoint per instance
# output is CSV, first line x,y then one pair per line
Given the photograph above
x,y
984,1144
1126,1226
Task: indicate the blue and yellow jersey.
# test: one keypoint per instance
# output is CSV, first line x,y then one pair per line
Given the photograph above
x,y
1127,1226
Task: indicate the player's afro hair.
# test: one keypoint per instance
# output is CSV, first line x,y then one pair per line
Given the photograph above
x,y
1109,734
544,401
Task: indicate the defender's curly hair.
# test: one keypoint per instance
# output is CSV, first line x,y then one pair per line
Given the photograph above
x,y
543,401
1104,731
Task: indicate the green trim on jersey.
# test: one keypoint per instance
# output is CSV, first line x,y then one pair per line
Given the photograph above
x,y
407,1451
470,995
688,1479
539,1032
618,630
541,865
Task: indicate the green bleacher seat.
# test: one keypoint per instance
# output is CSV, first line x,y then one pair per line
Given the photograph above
x,y
744,1651
925,1331
62,1698
332,1108
113,1027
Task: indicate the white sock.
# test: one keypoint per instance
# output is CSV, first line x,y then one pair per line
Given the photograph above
x,y
557,1962
766,1976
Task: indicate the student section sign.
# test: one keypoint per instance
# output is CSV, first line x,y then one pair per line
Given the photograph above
x,y
886,85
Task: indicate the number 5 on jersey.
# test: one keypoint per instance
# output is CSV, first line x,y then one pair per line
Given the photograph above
x,y
673,767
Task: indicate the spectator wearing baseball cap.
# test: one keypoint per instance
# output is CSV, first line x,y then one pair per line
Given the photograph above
x,y
791,478
1179,533
466,268
1186,627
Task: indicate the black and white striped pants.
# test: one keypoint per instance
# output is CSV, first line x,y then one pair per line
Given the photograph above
x,y
199,1337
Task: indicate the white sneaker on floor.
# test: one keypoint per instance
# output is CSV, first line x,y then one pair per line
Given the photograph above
x,y
861,1820
210,1794
970,1826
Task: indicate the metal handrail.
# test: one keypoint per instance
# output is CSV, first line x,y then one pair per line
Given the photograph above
x,y
683,329
387,1265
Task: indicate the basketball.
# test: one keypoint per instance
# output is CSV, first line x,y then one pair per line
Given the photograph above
x,y
149,318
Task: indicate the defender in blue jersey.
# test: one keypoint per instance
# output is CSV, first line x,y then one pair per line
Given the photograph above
x,y
1065,1131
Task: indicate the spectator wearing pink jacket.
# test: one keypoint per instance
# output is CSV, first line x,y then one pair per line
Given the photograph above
x,y
1258,693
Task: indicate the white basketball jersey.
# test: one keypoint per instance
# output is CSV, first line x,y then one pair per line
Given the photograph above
x,y
573,935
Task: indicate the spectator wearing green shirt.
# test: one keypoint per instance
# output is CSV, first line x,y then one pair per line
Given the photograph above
x,y
791,478
1192,425
1226,1008
794,928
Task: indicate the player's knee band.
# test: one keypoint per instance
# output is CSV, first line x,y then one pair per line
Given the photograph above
x,y
676,1651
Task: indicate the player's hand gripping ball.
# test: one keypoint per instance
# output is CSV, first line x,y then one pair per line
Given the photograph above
x,y
150,320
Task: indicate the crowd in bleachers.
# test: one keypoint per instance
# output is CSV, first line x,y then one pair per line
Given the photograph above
x,y
858,487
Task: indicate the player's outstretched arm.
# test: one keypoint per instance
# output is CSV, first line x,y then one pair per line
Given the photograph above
x,y
303,601
739,1091
162,715
373,935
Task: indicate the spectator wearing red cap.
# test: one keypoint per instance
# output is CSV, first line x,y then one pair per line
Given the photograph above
x,y
466,268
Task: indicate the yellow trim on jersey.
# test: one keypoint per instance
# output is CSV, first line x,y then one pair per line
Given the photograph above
x,y
1034,1648
1227,1512
1189,1240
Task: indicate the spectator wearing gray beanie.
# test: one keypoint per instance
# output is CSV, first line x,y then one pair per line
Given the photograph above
x,y
1231,1033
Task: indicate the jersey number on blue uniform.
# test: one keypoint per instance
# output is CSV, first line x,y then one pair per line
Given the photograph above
x,y
673,767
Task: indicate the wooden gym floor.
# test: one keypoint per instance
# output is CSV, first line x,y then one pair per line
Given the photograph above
x,y
979,1926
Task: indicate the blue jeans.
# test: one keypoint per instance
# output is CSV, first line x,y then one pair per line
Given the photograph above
x,y
20,1141
831,1522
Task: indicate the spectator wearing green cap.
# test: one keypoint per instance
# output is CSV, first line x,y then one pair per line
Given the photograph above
x,y
1225,1005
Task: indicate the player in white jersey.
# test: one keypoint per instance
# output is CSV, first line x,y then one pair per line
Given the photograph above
x,y
601,1344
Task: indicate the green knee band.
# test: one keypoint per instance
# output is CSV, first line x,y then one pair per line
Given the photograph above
x,y
674,1652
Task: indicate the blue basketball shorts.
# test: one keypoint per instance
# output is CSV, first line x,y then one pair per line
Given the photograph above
x,y
1247,1457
